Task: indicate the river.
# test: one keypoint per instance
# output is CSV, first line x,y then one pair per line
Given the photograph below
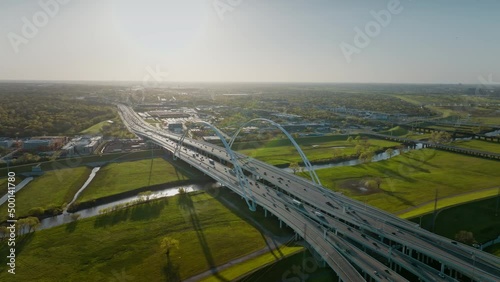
x,y
66,217
378,157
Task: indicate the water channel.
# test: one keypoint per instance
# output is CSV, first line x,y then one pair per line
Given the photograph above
x,y
168,192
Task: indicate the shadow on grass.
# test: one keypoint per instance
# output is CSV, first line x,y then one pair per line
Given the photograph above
x,y
172,272
21,243
138,212
186,203
415,167
71,227
400,198
425,159
270,247
393,174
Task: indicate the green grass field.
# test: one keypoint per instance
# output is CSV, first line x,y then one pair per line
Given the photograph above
x,y
4,186
283,270
412,179
418,136
125,244
250,265
95,129
479,145
450,201
54,188
121,177
316,149
478,217
395,131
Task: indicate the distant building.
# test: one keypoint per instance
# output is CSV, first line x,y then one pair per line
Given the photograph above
x,y
82,145
56,142
168,114
175,127
6,142
31,145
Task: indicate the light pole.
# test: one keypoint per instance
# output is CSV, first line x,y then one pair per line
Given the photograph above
x,y
498,199
473,267
435,209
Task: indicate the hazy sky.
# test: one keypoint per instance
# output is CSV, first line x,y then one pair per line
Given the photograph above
x,y
425,41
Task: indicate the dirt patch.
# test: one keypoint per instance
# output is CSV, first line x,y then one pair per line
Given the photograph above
x,y
361,186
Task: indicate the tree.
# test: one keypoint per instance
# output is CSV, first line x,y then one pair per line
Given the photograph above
x,y
21,224
295,167
144,196
75,216
36,211
366,156
389,152
465,237
350,139
167,243
378,181
357,139
337,153
33,223
439,137
4,232
358,149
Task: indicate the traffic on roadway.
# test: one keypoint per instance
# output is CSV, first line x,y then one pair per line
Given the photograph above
x,y
348,235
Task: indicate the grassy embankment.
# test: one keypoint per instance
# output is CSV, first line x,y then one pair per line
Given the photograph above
x,y
49,191
253,264
126,243
317,149
413,178
4,186
82,160
121,177
314,271
56,188
478,145
115,128
480,217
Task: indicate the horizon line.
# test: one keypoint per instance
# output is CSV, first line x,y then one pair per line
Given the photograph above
x,y
236,82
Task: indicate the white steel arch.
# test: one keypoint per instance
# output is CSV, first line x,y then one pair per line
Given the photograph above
x,y
242,180
312,173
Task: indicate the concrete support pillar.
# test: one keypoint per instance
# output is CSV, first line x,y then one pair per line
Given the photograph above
x,y
281,224
442,267
265,213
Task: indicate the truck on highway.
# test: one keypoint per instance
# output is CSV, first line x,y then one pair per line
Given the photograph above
x,y
297,203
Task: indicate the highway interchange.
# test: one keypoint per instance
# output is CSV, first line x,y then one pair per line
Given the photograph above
x,y
358,242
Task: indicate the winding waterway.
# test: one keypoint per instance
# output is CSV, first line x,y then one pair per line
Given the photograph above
x,y
378,157
168,192
66,217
